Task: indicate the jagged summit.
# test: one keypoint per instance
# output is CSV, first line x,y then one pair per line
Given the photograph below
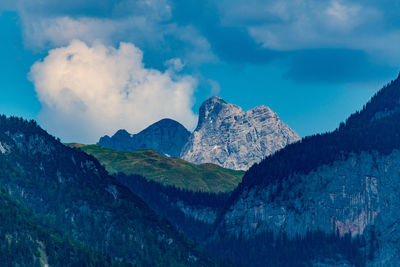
x,y
122,132
213,108
263,109
216,107
165,136
228,136
225,135
214,99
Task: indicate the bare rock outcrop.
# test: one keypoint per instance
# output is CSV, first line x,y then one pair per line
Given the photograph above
x,y
236,139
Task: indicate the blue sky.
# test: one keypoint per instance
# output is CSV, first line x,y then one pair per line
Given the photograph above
x,y
84,69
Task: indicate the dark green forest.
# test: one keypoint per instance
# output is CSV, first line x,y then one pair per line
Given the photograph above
x,y
267,249
161,198
80,199
30,240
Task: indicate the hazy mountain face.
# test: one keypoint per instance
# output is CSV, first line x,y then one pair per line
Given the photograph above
x,y
236,139
165,136
341,183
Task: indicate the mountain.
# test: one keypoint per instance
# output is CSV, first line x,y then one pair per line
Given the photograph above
x,y
75,193
190,196
165,136
225,135
329,199
236,139
166,171
28,240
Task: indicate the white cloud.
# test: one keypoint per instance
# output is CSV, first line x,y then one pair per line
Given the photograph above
x,y
174,64
47,33
215,87
310,24
346,17
42,33
290,25
88,91
341,12
197,48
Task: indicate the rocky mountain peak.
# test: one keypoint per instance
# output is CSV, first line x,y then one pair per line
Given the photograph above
x,y
228,136
166,123
215,108
122,133
165,136
262,110
215,100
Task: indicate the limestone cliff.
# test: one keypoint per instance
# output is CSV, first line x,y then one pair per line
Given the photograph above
x,y
340,183
349,197
236,139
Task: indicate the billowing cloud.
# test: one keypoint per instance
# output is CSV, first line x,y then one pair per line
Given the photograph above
x,y
87,91
146,23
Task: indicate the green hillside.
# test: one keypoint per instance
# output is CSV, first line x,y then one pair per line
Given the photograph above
x,y
167,171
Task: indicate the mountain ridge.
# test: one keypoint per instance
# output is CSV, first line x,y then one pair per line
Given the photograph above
x,y
166,136
339,182
228,136
74,190
21,229
167,171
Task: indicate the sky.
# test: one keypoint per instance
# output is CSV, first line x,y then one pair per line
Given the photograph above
x,y
86,68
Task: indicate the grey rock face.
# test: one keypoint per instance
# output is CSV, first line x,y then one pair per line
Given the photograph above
x,y
348,196
236,139
165,136
198,213
341,182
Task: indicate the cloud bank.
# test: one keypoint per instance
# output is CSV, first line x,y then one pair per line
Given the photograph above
x,y
86,91
215,32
